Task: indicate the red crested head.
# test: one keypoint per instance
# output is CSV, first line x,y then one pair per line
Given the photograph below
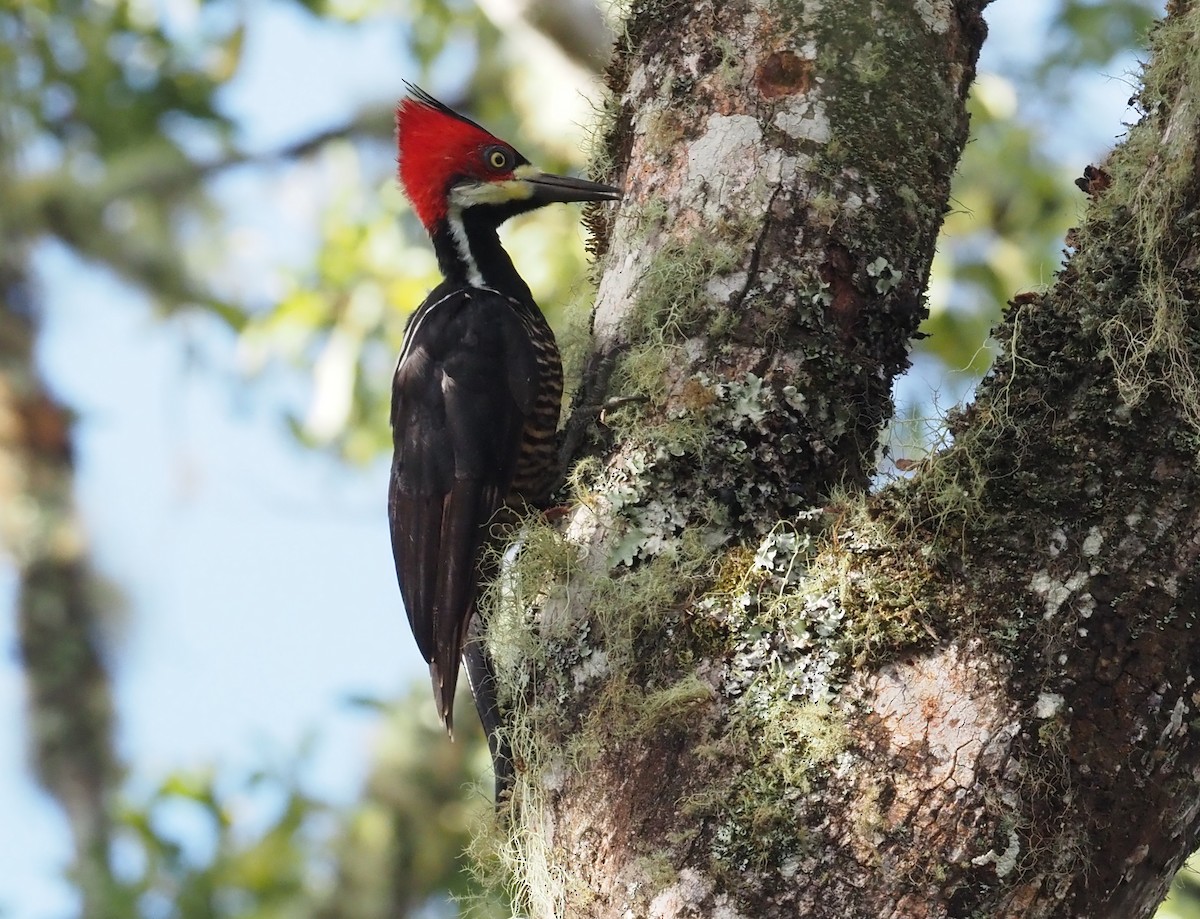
x,y
437,146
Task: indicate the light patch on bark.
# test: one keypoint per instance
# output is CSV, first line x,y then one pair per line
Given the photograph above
x,y
684,897
1175,724
617,287
722,288
936,14
943,713
942,724
593,667
553,775
1053,591
1004,861
1048,705
730,169
722,163
804,119
1058,542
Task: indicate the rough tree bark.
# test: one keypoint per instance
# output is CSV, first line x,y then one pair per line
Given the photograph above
x,y
743,687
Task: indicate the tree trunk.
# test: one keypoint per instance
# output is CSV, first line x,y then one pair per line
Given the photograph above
x,y
968,695
70,710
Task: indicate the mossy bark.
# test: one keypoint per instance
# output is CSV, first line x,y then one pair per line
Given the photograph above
x,y
743,687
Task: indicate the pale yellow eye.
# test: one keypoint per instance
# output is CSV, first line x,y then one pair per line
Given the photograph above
x,y
498,158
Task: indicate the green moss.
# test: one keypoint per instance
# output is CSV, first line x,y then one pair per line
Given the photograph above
x,y
730,69
663,132
667,704
544,559
1153,340
631,662
649,217
870,146
673,304
657,871
645,370
672,295
575,341
761,819
597,145
1121,308
860,52
618,649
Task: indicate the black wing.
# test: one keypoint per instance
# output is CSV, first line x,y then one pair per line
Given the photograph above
x,y
464,388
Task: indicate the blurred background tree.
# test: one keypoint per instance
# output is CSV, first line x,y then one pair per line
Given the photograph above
x,y
212,180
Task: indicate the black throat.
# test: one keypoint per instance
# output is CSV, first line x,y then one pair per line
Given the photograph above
x,y
469,252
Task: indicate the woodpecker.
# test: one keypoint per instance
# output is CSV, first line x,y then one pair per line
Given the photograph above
x,y
477,389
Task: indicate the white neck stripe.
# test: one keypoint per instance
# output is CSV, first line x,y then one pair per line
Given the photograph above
x,y
463,245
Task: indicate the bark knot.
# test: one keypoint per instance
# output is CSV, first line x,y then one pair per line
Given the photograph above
x,y
847,301
784,73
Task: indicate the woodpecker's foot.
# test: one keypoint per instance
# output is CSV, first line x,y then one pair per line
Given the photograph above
x,y
616,402
584,416
556,513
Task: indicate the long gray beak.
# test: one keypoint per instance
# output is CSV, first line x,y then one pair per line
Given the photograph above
x,y
548,188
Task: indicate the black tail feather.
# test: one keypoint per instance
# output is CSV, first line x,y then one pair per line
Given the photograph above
x,y
482,677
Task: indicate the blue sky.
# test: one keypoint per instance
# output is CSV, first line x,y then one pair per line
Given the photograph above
x,y
257,578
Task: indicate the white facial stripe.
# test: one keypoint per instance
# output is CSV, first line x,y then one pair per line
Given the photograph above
x,y
464,196
463,245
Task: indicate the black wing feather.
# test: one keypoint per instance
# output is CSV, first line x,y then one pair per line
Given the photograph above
x,y
464,389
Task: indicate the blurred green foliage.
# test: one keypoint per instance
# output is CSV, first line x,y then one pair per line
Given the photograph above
x,y
99,105
1086,35
203,845
1183,902
1004,232
111,133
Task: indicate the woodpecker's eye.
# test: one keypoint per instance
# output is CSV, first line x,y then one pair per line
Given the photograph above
x,y
498,158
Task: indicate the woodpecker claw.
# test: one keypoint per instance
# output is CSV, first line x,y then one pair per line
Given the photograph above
x,y
557,512
616,402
